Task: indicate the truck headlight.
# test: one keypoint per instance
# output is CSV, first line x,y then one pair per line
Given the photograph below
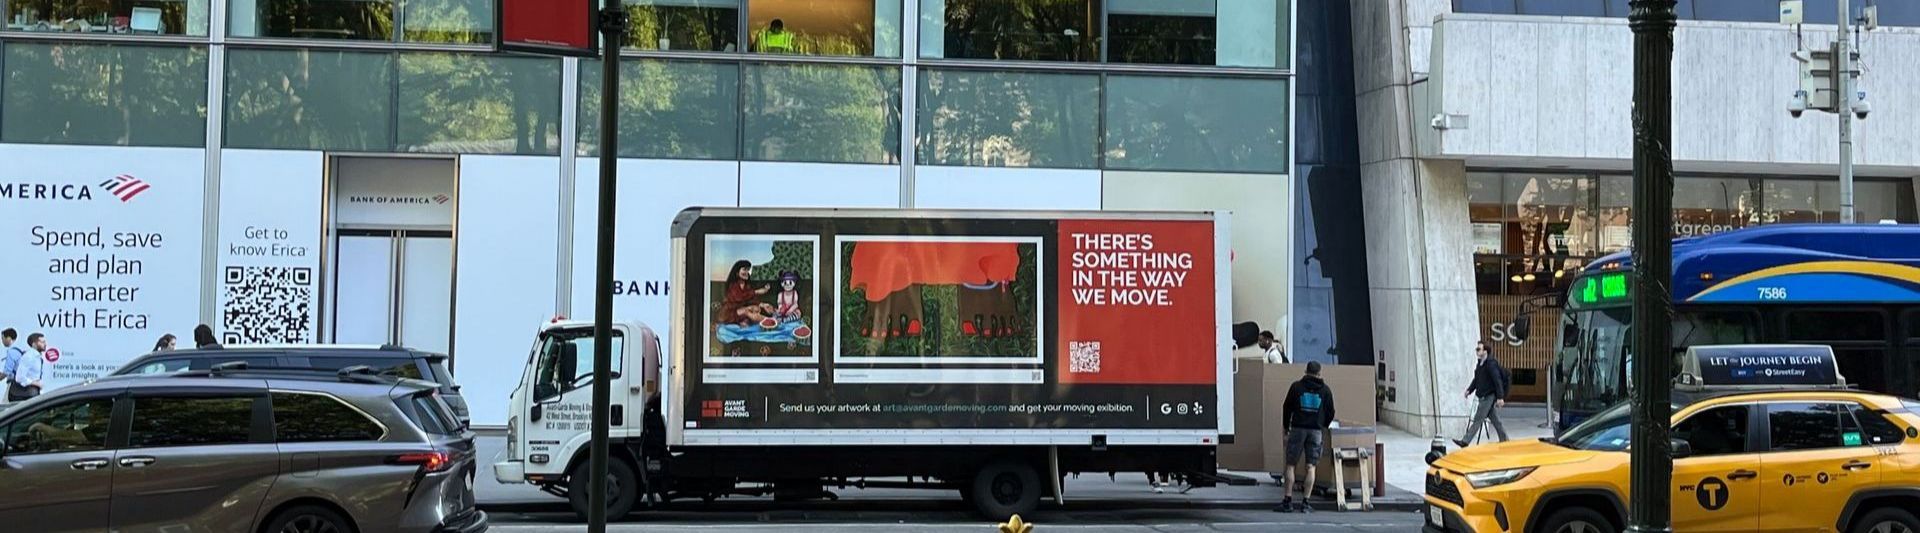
x,y
1496,478
513,442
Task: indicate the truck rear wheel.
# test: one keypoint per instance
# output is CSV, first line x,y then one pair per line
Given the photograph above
x,y
1006,488
623,488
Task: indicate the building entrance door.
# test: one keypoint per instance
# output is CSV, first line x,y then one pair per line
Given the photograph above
x,y
394,287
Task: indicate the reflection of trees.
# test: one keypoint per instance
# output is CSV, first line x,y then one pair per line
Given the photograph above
x,y
309,99
681,110
1046,30
102,14
685,27
479,104
361,20
448,21
822,113
96,94
1153,125
1009,119
1161,39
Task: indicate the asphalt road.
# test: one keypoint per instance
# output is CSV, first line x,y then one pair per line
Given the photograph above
x,y
1077,520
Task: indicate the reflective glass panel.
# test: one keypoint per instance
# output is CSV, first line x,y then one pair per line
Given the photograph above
x,y
822,114
1032,30
309,99
824,27
104,95
101,17
1003,119
668,109
358,20
479,104
1152,124
447,21
698,25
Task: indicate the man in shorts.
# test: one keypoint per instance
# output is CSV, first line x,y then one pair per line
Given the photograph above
x,y
1308,413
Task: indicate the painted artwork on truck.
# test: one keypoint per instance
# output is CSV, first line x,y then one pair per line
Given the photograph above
x,y
762,298
939,300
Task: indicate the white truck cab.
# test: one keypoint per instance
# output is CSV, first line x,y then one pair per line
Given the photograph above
x,y
551,410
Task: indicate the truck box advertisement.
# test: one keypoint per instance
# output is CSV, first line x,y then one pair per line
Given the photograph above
x,y
877,321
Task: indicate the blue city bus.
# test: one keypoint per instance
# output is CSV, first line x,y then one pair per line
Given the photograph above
x,y
1853,287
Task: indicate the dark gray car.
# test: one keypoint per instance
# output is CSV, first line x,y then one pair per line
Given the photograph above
x,y
327,358
241,452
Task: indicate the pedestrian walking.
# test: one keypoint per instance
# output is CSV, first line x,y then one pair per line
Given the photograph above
x,y
12,353
29,377
1490,383
165,344
203,338
1307,414
1275,353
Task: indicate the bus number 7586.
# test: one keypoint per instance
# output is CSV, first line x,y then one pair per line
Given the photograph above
x,y
1773,293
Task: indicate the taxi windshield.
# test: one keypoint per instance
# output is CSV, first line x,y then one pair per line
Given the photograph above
x,y
1609,431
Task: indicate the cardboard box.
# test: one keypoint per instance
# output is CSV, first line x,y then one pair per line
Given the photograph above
x,y
1260,396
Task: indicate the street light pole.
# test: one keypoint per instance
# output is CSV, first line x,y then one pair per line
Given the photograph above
x,y
613,30
1843,107
1652,469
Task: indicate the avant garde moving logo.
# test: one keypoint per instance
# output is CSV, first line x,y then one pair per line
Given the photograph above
x,y
124,186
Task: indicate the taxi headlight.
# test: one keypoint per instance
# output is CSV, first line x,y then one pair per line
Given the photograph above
x,y
1496,478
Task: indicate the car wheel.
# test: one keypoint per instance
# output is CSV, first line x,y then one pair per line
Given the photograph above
x,y
1576,520
623,488
1887,520
1007,488
309,519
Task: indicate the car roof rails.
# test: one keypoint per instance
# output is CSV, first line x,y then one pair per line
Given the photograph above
x,y
364,374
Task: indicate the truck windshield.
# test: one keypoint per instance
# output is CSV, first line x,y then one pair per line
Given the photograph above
x,y
563,362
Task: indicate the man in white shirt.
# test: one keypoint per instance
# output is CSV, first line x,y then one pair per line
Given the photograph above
x,y
9,354
27,379
1275,354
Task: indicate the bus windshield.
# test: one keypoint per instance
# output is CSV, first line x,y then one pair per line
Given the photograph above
x,y
1590,369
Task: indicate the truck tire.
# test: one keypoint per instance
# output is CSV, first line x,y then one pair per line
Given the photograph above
x,y
1006,488
620,477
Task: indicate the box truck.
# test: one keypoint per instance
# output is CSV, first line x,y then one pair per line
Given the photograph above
x,y
987,353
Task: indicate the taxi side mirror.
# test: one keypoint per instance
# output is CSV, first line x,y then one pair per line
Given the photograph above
x,y
1680,448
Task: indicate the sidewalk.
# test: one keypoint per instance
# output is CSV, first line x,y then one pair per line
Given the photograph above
x,y
1404,457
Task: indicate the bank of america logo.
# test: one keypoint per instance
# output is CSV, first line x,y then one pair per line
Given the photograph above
x,y
441,198
125,187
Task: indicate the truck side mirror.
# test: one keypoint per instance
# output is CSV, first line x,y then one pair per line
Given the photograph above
x,y
1569,336
569,362
1522,327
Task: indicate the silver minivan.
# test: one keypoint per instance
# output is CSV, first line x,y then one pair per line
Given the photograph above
x,y
227,450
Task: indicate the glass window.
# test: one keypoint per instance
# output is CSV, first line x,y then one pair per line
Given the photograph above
x,y
1152,124
822,114
309,99
318,418
1717,431
1703,328
1256,34
104,95
78,426
1875,426
1497,7
1836,326
359,20
1031,30
139,17
1163,31
824,27
668,110
191,421
1807,426
566,362
447,21
699,25
429,413
479,104
1792,201
1705,206
1550,213
1616,213
1567,8
1005,119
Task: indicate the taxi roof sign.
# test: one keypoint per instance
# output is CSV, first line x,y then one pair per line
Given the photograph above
x,y
1761,366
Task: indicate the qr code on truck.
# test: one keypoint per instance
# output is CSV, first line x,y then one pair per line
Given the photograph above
x,y
1084,357
267,305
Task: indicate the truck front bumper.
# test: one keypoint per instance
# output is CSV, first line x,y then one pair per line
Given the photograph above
x,y
510,472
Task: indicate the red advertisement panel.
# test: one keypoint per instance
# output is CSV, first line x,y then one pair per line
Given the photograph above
x,y
562,27
1136,302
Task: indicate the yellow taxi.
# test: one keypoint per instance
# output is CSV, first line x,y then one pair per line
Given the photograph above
x,y
1751,453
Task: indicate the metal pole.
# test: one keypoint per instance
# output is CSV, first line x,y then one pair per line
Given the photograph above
x,y
1652,470
613,24
1843,107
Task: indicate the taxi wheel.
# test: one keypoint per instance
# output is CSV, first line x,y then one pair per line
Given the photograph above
x,y
1577,520
1887,520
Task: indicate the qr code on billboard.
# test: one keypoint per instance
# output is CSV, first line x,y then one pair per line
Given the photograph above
x,y
267,305
1084,357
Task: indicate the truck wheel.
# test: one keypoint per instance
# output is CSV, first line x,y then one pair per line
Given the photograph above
x,y
1887,520
1006,488
1576,520
623,488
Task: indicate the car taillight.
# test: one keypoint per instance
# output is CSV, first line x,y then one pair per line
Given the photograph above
x,y
428,461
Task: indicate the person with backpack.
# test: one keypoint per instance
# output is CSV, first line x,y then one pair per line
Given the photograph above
x,y
1490,383
1307,415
